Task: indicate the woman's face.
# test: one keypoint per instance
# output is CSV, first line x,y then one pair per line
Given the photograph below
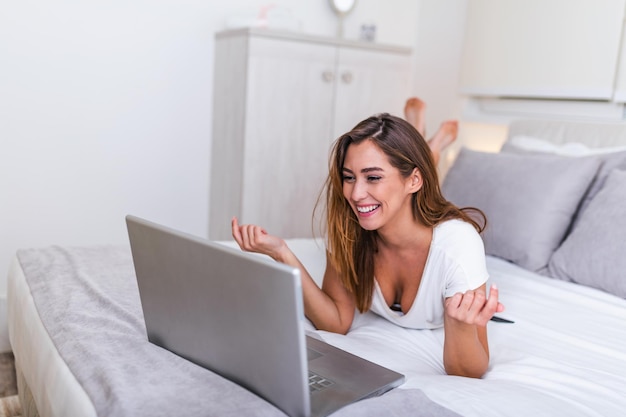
x,y
376,191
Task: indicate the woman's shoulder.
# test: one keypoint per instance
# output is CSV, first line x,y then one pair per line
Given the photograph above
x,y
458,245
455,236
454,228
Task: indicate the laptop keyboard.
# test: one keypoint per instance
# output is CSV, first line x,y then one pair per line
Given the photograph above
x,y
318,382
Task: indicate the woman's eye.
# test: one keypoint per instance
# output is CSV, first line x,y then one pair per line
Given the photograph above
x,y
348,178
373,178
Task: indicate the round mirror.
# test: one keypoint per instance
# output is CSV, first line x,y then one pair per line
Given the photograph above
x,y
342,7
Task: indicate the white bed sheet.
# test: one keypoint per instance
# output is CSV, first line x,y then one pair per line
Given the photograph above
x,y
564,355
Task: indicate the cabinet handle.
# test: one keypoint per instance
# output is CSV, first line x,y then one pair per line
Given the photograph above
x,y
346,77
328,76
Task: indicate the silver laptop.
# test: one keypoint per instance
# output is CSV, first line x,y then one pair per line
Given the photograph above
x,y
241,315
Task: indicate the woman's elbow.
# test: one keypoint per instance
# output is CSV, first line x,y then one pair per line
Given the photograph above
x,y
476,371
333,326
337,328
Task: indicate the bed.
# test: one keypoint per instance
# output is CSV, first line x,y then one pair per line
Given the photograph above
x,y
554,198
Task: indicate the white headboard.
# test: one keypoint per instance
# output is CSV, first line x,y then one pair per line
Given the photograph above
x,y
591,134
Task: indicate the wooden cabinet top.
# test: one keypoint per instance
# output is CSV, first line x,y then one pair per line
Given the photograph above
x,y
302,37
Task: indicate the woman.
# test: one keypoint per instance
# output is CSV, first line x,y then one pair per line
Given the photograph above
x,y
395,246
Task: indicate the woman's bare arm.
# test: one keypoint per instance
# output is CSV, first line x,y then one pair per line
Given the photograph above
x,y
466,349
330,308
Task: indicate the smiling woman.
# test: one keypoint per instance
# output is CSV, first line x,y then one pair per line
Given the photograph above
x,y
394,245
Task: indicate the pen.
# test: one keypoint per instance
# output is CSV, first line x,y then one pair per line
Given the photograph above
x,y
501,320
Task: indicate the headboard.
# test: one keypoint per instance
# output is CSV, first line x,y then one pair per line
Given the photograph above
x,y
591,134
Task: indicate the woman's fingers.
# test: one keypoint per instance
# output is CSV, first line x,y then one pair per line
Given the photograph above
x,y
247,233
488,307
473,306
236,232
250,237
241,234
491,306
493,302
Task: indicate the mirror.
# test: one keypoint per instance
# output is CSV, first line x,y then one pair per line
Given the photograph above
x,y
342,7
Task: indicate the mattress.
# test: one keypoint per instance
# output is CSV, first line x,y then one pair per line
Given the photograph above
x,y
563,355
39,364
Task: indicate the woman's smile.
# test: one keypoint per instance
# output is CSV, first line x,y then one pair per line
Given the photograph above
x,y
367,210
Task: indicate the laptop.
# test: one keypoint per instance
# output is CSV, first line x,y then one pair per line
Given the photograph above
x,y
241,315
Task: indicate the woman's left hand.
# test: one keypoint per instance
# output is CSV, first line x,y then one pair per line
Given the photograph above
x,y
252,238
473,307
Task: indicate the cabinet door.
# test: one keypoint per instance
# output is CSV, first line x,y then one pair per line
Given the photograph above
x,y
287,138
557,49
369,82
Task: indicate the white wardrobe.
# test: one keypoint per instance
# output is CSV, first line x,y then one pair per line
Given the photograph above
x,y
280,100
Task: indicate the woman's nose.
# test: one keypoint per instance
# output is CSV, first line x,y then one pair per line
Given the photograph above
x,y
359,190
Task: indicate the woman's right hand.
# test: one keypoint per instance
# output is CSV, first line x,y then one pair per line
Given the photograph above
x,y
254,238
329,309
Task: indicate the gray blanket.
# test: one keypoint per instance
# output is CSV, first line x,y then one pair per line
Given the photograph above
x,y
88,301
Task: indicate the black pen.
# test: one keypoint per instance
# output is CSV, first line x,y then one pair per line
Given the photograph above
x,y
501,320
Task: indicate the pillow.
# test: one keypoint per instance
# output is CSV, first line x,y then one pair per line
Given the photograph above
x,y
611,158
532,144
593,254
609,162
529,200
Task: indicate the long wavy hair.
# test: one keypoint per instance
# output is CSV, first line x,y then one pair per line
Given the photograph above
x,y
351,248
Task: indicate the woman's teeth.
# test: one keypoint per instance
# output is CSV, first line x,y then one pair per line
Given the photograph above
x,y
367,209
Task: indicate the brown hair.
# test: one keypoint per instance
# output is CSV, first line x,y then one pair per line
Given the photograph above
x,y
351,248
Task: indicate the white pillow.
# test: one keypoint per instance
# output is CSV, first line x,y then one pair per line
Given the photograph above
x,y
533,144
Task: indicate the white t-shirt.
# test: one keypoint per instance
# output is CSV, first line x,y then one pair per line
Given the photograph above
x,y
455,263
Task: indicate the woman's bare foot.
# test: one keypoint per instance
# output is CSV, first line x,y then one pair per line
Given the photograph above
x,y
446,134
414,110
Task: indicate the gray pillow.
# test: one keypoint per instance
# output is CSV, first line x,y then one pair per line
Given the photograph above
x,y
594,253
529,200
609,161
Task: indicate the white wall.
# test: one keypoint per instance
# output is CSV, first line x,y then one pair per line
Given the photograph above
x,y
105,108
437,59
